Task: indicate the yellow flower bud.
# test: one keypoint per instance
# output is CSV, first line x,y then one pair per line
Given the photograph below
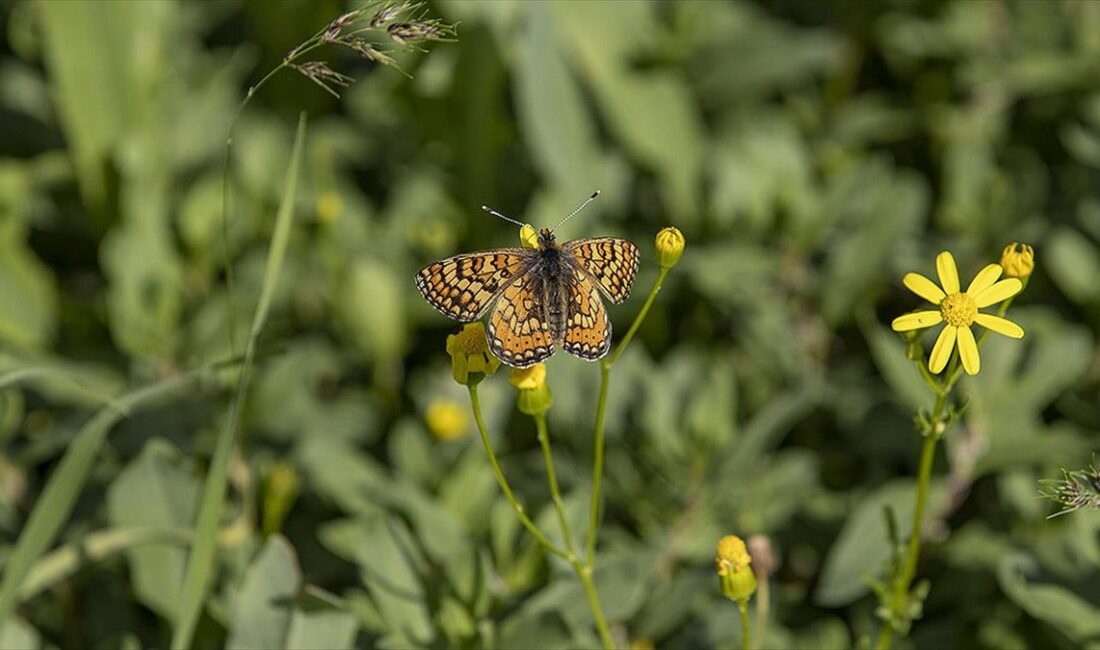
x,y
446,419
528,378
1018,264
528,236
670,246
735,576
534,395
280,491
470,358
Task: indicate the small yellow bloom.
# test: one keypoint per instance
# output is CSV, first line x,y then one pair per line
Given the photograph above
x,y
447,419
528,236
1018,264
670,246
960,310
329,206
528,378
534,395
470,358
736,577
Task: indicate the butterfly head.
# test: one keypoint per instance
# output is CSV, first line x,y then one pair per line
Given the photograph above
x,y
546,238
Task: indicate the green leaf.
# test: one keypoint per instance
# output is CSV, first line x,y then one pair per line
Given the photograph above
x,y
1074,264
55,504
320,622
28,293
863,547
1056,605
552,112
262,608
200,564
155,491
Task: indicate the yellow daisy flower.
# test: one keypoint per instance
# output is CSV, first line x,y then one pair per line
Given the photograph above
x,y
960,310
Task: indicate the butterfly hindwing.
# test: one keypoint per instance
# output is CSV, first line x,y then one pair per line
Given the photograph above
x,y
464,286
611,263
587,326
518,332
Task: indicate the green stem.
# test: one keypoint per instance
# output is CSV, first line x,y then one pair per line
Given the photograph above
x,y
584,573
226,185
763,605
555,491
743,607
601,412
503,482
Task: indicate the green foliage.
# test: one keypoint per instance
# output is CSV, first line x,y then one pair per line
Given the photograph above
x,y
811,153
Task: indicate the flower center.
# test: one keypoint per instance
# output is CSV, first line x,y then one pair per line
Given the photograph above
x,y
959,310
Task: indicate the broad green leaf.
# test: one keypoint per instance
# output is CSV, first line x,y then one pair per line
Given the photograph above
x,y
155,491
262,607
552,112
1056,605
1074,264
862,548
28,292
371,306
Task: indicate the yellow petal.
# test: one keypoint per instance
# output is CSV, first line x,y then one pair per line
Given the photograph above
x,y
985,279
1000,325
916,320
968,351
941,352
923,287
1003,290
949,274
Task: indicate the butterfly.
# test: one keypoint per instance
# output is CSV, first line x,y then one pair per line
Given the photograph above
x,y
542,298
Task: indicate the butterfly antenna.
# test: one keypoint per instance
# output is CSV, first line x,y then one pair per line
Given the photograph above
x,y
497,214
579,208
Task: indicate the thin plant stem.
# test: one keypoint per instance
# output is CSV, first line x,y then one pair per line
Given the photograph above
x,y
555,491
583,573
601,412
550,547
763,605
746,635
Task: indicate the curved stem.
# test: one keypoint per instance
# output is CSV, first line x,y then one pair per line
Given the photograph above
x,y
503,482
610,361
583,572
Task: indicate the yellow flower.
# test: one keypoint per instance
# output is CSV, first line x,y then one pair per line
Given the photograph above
x,y
528,236
670,246
470,358
534,394
733,560
960,310
1018,264
446,419
329,207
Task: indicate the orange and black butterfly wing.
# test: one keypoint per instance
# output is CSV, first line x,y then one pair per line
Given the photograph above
x,y
611,262
587,327
464,286
518,333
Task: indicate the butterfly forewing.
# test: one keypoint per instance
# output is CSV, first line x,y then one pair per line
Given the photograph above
x,y
611,262
587,327
518,332
464,286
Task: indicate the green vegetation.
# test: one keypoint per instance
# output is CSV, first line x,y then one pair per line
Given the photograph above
x,y
228,418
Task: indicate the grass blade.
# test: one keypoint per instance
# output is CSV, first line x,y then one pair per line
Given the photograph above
x,y
200,562
67,560
54,506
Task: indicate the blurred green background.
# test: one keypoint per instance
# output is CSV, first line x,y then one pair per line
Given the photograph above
x,y
811,152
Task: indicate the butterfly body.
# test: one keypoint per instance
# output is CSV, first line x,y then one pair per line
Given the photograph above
x,y
542,298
